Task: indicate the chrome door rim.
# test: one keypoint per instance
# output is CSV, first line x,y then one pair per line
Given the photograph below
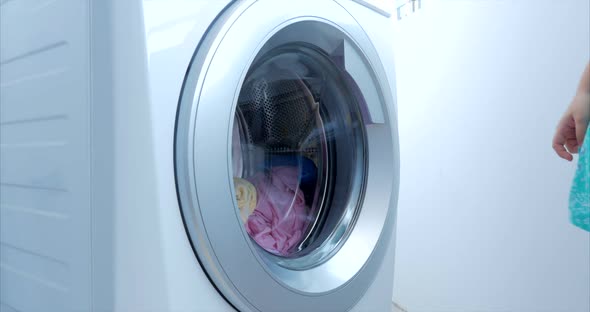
x,y
343,290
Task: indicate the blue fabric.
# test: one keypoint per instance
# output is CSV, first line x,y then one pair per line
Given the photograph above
x,y
580,194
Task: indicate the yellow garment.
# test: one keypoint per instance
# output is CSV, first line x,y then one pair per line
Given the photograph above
x,y
246,197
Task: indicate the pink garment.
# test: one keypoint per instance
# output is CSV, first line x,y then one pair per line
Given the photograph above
x,y
280,217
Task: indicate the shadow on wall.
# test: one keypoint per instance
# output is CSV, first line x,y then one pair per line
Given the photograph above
x,y
483,220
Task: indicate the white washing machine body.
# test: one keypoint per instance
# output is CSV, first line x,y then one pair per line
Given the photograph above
x,y
118,194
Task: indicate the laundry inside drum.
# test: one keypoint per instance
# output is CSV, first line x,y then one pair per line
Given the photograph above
x,y
278,123
284,153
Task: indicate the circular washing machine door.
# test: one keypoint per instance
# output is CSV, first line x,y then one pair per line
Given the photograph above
x,y
286,156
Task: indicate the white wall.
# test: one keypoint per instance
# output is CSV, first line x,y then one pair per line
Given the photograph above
x,y
483,220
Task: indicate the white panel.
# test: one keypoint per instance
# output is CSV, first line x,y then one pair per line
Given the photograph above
x,y
174,29
33,27
44,156
44,269
42,165
4,307
51,128
384,7
35,66
47,201
20,104
33,231
39,295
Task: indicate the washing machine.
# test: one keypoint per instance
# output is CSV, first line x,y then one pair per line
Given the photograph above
x,y
197,156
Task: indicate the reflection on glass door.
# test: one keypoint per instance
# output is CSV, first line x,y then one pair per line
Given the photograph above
x,y
298,155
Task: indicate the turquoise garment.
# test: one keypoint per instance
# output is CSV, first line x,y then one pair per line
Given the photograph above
x,y
580,193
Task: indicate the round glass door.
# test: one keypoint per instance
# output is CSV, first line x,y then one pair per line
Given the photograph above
x,y
285,157
298,155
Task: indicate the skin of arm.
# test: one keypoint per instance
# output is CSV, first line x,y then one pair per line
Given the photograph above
x,y
572,127
585,81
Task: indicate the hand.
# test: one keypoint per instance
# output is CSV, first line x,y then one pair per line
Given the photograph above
x,y
571,129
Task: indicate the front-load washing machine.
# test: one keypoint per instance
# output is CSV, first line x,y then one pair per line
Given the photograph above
x,y
197,156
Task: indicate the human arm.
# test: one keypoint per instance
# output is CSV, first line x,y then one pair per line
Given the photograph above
x,y
572,127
